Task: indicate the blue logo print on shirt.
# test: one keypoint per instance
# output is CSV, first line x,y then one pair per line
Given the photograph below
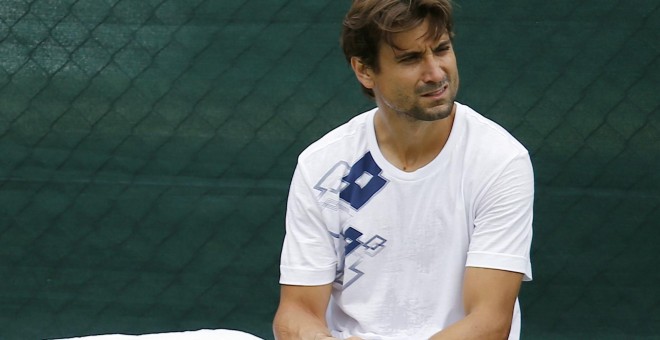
x,y
346,189
364,181
356,249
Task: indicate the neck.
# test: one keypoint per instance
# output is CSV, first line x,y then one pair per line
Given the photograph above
x,y
411,144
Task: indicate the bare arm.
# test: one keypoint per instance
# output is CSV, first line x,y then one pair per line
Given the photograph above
x,y
489,296
301,313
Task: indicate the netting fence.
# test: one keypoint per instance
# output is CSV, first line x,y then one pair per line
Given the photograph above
x,y
146,148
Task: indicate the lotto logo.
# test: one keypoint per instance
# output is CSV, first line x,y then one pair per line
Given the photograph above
x,y
362,182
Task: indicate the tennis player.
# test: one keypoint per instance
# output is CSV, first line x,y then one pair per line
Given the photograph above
x,y
414,219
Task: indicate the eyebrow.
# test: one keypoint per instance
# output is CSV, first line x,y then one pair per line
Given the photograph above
x,y
415,53
406,54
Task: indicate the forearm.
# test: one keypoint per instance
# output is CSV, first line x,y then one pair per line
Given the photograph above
x,y
298,324
476,326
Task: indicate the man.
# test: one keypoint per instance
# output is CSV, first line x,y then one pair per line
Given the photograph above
x,y
414,219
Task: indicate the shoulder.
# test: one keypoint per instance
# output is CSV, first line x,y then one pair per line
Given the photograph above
x,y
490,153
486,137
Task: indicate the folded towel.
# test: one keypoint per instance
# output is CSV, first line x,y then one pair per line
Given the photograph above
x,y
202,334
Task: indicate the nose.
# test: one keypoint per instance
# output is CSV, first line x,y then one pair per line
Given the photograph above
x,y
432,71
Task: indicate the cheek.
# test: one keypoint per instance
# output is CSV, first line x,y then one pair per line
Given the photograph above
x,y
400,89
397,86
455,78
456,73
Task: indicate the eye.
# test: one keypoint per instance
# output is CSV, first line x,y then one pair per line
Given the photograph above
x,y
409,59
442,48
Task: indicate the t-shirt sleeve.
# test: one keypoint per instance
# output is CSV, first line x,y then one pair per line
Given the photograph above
x,y
308,253
502,233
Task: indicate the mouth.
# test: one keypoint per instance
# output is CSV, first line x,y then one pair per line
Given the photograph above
x,y
437,92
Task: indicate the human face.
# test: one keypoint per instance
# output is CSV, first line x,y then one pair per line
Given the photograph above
x,y
417,78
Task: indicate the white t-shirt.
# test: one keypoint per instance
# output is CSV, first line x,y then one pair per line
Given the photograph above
x,y
395,244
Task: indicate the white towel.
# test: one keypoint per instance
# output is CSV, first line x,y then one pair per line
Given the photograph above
x,y
202,334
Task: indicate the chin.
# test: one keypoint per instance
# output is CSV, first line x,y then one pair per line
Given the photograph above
x,y
429,116
439,112
442,116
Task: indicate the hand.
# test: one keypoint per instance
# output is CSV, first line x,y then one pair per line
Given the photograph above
x,y
333,338
325,337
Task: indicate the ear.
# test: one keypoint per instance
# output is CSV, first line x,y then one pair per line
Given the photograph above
x,y
363,73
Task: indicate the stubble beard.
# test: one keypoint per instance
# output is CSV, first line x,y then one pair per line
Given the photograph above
x,y
436,111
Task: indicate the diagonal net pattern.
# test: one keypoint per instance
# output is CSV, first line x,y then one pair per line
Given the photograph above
x,y
147,147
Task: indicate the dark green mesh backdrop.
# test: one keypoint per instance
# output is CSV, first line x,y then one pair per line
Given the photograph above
x,y
146,148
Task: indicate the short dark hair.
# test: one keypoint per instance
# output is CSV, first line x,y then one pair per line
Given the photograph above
x,y
370,22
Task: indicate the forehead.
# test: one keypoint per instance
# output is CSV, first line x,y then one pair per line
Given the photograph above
x,y
419,37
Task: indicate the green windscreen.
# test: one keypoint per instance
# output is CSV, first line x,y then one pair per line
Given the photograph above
x,y
146,148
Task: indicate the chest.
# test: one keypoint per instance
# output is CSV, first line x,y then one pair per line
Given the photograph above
x,y
422,219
